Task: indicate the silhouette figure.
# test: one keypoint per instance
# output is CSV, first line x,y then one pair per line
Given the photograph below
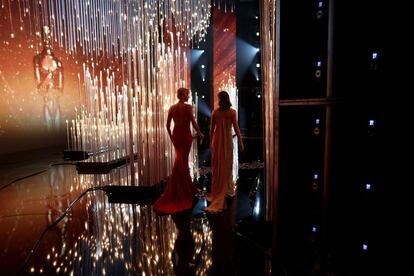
x,y
180,189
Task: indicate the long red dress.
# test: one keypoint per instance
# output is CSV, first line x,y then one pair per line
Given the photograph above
x,y
178,195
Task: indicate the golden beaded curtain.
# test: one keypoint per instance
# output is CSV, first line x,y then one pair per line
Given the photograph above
x,y
135,56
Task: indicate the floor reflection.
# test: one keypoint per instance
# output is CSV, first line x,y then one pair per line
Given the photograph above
x,y
223,240
94,236
183,255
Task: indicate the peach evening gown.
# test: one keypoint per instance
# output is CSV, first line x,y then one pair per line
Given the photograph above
x,y
221,160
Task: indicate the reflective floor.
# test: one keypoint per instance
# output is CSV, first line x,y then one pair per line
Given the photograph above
x,y
58,221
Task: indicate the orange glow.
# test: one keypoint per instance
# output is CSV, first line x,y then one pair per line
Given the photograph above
x,y
22,119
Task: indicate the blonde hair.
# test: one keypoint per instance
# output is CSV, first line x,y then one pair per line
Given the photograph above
x,y
181,92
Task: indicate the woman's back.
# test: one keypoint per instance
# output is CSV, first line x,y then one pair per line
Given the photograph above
x,y
181,114
223,122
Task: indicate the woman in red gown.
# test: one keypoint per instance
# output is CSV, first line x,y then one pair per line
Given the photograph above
x,y
178,195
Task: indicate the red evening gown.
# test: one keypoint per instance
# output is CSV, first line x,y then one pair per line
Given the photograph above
x,y
178,195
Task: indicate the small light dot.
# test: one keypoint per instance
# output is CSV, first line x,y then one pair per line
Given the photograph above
x,y
364,246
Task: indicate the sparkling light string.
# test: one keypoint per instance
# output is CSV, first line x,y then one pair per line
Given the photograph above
x,y
98,27
146,44
225,5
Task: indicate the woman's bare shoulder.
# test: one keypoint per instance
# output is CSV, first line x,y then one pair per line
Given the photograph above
x,y
188,107
232,111
172,108
215,112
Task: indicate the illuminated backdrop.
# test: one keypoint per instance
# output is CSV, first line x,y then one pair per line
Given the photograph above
x,y
133,56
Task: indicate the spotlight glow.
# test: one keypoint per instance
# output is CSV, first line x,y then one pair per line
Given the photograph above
x,y
256,209
195,55
204,108
249,53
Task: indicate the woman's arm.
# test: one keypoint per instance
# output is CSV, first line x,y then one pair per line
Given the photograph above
x,y
212,127
237,130
169,117
194,123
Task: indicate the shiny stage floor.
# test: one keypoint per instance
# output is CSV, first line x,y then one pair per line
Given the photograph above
x,y
54,220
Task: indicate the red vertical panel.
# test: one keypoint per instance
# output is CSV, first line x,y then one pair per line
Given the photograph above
x,y
224,45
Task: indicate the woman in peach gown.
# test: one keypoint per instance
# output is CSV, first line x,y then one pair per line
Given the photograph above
x,y
223,120
178,195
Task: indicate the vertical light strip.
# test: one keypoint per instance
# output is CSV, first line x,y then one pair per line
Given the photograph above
x,y
270,37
